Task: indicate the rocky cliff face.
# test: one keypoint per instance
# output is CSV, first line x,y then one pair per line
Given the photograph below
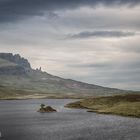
x,y
17,59
12,70
21,67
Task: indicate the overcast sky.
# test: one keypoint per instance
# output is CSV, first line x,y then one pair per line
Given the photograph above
x,y
95,41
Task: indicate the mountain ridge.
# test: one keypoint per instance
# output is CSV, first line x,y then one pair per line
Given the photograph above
x,y
20,76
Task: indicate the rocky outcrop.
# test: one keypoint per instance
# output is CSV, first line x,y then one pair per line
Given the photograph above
x,y
45,109
21,67
17,59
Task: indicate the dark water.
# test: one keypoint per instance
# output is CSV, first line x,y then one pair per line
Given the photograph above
x,y
20,121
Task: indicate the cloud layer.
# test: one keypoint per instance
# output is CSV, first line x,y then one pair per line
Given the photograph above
x,y
103,34
11,10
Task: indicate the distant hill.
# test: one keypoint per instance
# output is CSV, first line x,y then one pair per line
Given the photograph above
x,y
17,76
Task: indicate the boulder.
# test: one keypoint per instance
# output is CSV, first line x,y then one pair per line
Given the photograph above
x,y
46,109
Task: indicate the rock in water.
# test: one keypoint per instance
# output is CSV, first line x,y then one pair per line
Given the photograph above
x,y
46,109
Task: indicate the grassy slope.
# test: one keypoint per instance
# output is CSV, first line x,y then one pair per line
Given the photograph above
x,y
40,82
8,93
43,85
126,105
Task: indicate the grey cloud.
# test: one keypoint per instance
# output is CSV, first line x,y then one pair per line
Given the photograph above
x,y
135,48
111,64
87,34
92,65
11,10
110,72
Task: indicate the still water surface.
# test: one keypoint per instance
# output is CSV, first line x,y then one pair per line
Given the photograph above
x,y
19,120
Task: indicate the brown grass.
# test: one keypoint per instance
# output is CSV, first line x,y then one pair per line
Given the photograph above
x,y
126,105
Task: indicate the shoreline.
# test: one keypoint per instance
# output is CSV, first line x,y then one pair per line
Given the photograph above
x,y
3,99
